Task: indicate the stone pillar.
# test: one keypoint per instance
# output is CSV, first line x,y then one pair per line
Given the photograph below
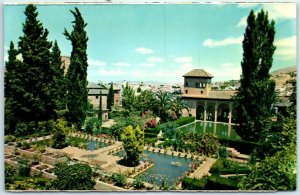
x,y
216,112
230,113
205,107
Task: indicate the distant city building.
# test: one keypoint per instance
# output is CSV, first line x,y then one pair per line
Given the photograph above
x,y
95,92
207,104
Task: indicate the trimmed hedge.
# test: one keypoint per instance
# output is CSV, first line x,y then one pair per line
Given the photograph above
x,y
224,166
210,183
220,183
178,122
150,135
244,147
193,184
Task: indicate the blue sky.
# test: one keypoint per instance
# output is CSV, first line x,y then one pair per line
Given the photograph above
x,y
160,42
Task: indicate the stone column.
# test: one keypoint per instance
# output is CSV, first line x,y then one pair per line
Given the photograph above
x,y
205,107
216,112
230,113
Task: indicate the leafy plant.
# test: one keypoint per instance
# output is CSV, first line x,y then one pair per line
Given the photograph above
x,y
73,177
119,179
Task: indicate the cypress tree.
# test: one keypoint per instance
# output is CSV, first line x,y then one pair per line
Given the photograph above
x,y
110,97
11,83
58,86
100,107
35,74
257,92
77,95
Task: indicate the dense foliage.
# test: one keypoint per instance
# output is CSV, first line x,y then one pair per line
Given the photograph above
x,y
133,142
73,177
255,115
77,96
29,82
59,134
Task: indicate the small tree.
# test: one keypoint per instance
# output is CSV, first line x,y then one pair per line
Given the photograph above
x,y
73,177
59,133
133,141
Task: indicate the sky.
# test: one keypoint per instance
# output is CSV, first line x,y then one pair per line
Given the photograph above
x,y
148,42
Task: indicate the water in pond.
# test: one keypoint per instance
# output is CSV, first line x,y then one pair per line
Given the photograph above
x,y
165,167
222,130
88,144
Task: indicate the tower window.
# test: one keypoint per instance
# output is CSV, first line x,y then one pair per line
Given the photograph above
x,y
96,97
201,92
186,91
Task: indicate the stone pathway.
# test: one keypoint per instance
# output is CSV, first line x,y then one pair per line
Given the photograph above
x,y
203,169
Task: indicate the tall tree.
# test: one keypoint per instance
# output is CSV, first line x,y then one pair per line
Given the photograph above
x,y
58,88
256,94
110,97
35,103
77,95
11,83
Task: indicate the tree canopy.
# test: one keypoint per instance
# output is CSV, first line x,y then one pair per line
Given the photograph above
x,y
77,96
256,94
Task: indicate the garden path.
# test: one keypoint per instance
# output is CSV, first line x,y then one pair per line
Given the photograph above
x,y
203,169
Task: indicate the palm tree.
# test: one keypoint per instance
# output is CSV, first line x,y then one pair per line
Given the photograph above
x,y
164,104
178,105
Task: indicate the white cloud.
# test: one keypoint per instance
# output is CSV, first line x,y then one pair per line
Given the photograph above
x,y
247,5
155,59
286,47
242,22
146,65
281,10
143,50
276,11
122,64
227,65
226,73
185,59
224,42
96,62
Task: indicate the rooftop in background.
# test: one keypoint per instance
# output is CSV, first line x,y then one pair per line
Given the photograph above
x,y
198,73
95,89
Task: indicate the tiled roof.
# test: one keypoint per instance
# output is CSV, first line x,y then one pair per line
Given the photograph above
x,y
198,73
97,91
95,86
223,95
94,89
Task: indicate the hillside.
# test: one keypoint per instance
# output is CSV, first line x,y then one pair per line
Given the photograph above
x,y
281,76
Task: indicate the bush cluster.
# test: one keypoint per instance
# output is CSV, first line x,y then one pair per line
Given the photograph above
x,y
224,166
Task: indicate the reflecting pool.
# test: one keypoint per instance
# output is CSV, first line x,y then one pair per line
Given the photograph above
x,y
222,130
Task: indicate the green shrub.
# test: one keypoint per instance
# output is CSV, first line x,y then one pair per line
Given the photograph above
x,y
119,179
25,145
244,147
138,184
24,166
223,153
185,120
10,171
59,132
220,183
193,184
150,135
73,177
150,141
9,138
224,166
